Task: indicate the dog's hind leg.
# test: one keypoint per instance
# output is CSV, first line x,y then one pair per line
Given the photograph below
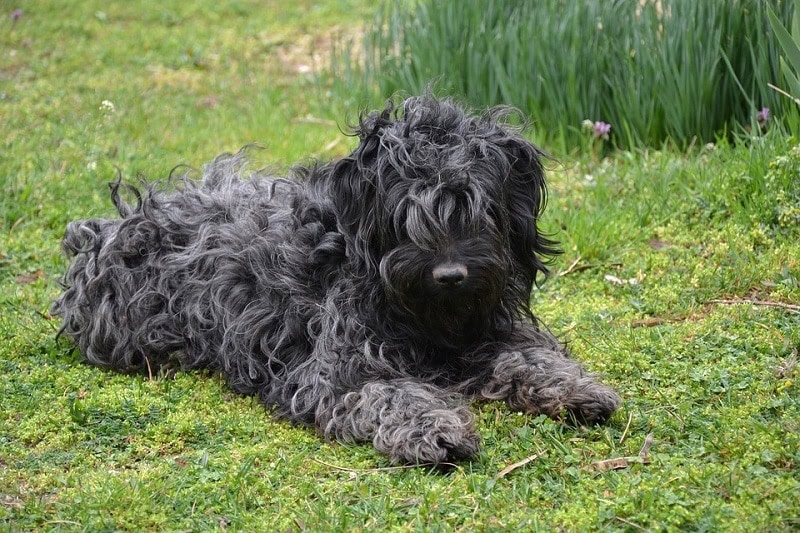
x,y
409,421
114,303
535,374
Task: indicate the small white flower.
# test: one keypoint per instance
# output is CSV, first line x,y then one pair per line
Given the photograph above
x,y
107,106
91,165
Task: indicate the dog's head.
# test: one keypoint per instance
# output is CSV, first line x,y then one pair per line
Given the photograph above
x,y
443,206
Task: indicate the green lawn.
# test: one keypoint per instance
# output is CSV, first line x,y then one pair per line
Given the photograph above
x,y
660,251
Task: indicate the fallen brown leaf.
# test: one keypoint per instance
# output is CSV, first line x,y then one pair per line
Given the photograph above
x,y
30,277
656,244
619,463
650,322
210,101
510,468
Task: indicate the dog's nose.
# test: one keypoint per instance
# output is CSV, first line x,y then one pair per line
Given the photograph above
x,y
450,274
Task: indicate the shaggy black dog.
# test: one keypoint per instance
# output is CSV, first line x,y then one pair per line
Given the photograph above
x,y
370,297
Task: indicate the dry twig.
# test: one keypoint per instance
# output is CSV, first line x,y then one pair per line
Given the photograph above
x,y
648,443
510,468
655,321
767,303
628,425
574,268
149,369
784,93
570,267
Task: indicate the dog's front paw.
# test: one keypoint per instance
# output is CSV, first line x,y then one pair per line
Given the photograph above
x,y
435,437
594,403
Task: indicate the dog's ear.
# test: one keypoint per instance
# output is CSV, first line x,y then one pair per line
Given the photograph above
x,y
353,187
352,192
526,195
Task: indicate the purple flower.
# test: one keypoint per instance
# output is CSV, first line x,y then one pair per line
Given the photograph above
x,y
763,116
601,130
16,15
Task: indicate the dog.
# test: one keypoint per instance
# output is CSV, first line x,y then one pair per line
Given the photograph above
x,y
371,297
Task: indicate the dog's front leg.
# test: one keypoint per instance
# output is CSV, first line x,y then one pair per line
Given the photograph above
x,y
410,421
535,374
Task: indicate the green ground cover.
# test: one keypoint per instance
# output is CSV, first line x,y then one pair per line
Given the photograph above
x,y
661,251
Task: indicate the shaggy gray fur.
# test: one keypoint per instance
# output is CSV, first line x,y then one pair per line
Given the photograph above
x,y
370,297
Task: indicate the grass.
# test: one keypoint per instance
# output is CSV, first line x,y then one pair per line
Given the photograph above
x,y
716,384
674,70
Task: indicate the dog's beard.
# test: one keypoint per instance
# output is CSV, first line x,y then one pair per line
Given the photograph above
x,y
450,317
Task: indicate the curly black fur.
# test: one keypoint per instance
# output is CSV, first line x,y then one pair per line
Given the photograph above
x,y
369,296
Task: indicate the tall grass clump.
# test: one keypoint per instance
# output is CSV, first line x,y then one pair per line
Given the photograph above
x,y
790,61
657,70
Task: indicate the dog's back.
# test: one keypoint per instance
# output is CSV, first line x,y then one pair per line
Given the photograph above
x,y
175,278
